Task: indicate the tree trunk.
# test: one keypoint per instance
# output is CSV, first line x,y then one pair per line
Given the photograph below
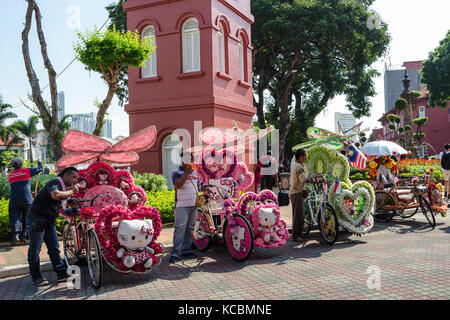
x,y
49,119
30,142
103,108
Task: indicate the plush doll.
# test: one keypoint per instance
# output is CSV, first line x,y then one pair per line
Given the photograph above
x,y
134,238
267,219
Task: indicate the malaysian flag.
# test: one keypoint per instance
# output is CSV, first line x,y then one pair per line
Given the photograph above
x,y
357,159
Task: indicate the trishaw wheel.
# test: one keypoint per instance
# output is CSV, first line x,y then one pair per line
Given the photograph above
x,y
201,239
69,239
328,224
239,243
381,213
94,259
427,211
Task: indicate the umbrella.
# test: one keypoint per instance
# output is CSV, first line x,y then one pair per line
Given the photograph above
x,y
382,148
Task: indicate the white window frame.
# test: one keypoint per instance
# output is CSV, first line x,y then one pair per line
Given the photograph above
x,y
241,59
151,64
421,111
221,44
191,46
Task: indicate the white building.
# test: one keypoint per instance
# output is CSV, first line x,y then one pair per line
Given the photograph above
x,y
346,121
61,105
86,122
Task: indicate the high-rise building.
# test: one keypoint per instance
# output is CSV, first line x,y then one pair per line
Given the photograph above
x,y
346,121
393,84
86,122
61,105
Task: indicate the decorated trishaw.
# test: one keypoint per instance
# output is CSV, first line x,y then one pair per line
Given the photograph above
x,y
108,220
352,203
402,199
242,222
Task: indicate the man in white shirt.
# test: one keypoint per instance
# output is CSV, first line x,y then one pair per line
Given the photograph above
x,y
444,156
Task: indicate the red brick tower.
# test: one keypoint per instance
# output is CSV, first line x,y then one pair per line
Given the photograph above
x,y
201,70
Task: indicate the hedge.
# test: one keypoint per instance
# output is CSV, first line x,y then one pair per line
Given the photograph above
x,y
164,201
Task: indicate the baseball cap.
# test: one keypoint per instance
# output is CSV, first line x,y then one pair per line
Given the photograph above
x,y
16,161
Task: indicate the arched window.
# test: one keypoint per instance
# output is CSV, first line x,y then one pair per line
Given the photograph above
x,y
242,59
191,46
222,57
150,69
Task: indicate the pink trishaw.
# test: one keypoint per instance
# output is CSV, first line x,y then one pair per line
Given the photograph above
x,y
240,221
107,220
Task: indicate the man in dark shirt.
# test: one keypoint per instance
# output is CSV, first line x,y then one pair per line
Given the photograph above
x,y
41,224
20,199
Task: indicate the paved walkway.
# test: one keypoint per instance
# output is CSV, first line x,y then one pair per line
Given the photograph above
x,y
17,255
411,259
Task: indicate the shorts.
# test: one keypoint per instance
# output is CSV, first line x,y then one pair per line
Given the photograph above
x,y
446,174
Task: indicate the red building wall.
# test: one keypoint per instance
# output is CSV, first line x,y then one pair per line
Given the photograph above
x,y
175,100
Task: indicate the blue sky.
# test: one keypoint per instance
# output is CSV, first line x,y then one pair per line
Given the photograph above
x,y
416,27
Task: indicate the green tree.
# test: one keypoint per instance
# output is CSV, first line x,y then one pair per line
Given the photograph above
x,y
436,74
63,126
7,134
107,53
419,135
306,52
28,129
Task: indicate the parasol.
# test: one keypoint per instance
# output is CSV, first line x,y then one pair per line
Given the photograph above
x,y
382,148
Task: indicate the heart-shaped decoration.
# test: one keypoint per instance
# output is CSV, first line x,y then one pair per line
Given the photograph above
x,y
354,205
220,164
106,230
249,200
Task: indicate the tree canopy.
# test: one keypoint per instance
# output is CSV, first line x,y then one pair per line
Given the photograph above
x,y
436,74
306,52
108,53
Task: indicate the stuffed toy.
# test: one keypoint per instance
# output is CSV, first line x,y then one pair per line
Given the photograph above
x,y
267,220
134,238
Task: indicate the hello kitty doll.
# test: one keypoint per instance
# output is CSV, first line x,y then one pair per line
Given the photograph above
x,y
134,237
267,219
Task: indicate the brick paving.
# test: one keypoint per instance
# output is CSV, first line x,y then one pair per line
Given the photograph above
x,y
413,259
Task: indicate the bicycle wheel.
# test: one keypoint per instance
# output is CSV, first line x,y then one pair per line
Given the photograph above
x,y
328,224
94,258
308,222
381,213
427,211
201,238
69,243
239,243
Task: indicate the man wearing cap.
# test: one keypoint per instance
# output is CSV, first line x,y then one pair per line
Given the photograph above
x,y
20,199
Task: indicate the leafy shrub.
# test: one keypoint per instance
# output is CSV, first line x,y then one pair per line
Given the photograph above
x,y
150,182
5,230
164,201
5,189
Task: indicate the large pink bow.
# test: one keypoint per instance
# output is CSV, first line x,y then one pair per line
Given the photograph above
x,y
81,147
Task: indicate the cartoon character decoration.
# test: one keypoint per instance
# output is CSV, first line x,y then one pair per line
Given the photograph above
x,y
222,169
238,239
353,202
134,238
263,210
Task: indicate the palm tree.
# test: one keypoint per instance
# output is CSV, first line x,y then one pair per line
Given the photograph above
x,y
7,134
28,129
63,126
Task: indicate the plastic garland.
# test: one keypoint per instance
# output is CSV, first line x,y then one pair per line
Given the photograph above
x,y
230,209
222,157
102,168
140,193
375,163
244,177
317,155
360,212
87,213
246,199
126,177
330,159
103,225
